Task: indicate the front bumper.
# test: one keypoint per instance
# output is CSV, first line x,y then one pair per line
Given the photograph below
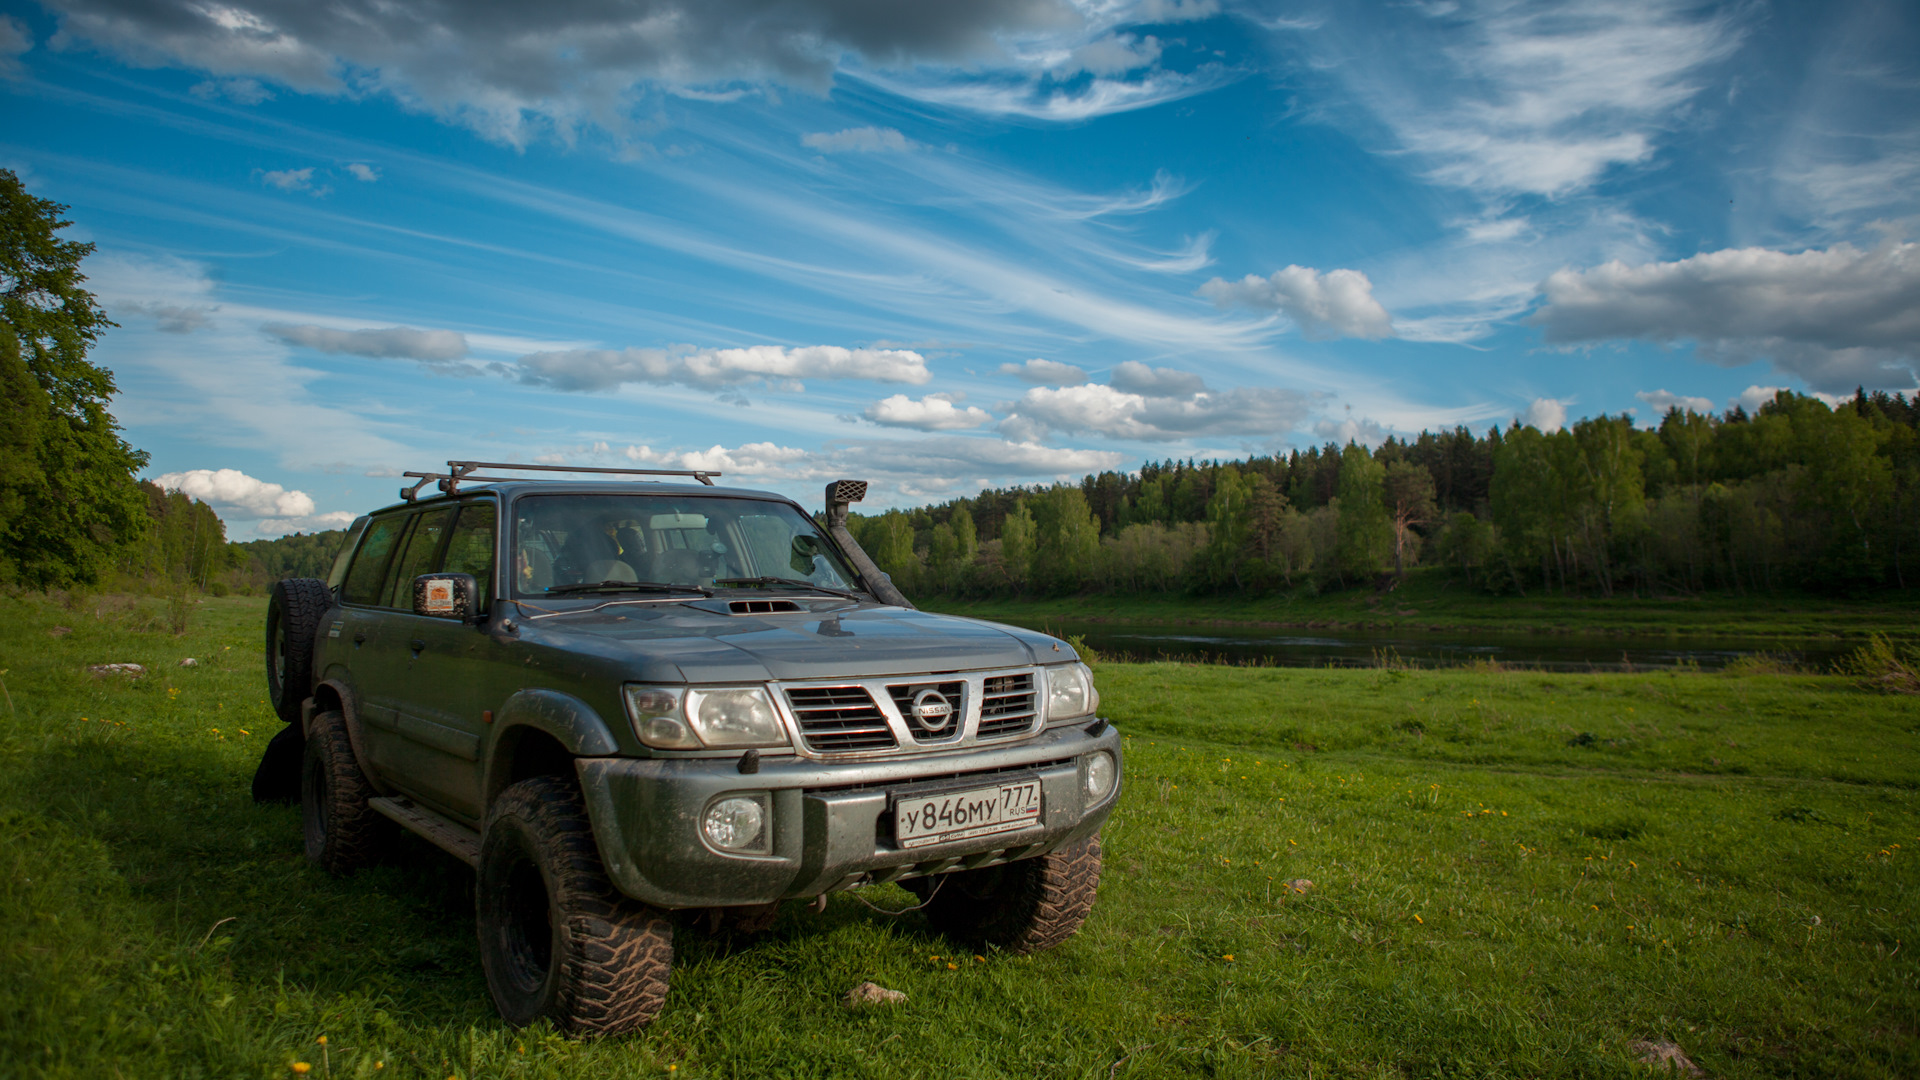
x,y
831,828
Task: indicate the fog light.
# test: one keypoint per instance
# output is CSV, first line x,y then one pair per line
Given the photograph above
x,y
737,824
1101,773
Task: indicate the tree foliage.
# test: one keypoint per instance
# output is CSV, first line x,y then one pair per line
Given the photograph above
x,y
70,501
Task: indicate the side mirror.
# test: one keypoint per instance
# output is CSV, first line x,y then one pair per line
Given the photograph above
x,y
445,596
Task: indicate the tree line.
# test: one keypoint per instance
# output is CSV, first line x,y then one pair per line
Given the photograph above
x,y
1796,495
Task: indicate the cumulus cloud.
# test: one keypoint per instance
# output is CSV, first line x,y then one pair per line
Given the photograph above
x,y
232,492
860,140
291,180
433,347
915,467
935,412
508,71
1045,373
1338,303
366,174
1547,414
1753,397
1837,317
1351,430
1187,411
712,369
310,523
1663,402
1134,377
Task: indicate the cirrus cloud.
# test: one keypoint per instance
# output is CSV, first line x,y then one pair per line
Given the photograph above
x,y
589,370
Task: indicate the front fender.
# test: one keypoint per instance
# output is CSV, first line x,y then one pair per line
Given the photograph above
x,y
569,721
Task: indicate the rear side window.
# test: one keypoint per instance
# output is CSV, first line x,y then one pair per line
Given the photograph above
x,y
471,549
369,567
423,546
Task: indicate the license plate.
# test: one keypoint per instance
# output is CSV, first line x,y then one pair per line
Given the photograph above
x,y
956,815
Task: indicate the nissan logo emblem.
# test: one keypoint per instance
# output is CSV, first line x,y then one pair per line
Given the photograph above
x,y
932,709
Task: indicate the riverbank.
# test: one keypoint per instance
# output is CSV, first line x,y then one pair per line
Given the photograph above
x,y
1431,601
1510,873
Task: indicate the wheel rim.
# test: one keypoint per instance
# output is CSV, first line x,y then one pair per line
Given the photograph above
x,y
277,649
526,926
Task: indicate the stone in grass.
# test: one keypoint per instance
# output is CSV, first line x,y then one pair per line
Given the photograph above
x,y
189,662
131,671
869,993
1664,1056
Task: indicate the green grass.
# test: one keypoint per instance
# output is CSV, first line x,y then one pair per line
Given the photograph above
x,y
1515,874
1435,600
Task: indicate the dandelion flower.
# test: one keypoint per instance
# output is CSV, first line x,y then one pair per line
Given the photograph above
x,y
1420,920
302,1067
1228,958
322,1040
953,967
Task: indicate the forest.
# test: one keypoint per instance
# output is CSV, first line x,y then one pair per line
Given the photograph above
x,y
1797,495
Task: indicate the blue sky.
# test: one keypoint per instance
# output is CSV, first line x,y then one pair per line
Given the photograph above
x,y
944,246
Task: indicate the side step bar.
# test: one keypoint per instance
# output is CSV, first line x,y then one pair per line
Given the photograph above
x,y
449,836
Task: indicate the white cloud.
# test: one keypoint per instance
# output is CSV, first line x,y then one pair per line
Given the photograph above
x,y
1338,303
1039,98
860,140
1837,317
1547,414
1663,402
1350,430
1120,414
232,492
392,342
292,180
311,523
1045,372
1134,377
935,412
366,174
1753,397
15,41
1114,55
605,369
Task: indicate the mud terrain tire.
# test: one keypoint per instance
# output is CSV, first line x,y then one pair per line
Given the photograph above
x,y
1020,907
294,611
342,831
556,938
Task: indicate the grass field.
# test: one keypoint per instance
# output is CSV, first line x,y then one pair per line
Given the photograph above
x,y
1434,599
1514,874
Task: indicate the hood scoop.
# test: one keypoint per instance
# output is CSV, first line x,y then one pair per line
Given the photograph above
x,y
762,607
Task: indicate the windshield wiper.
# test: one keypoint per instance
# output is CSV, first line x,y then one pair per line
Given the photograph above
x,y
626,586
791,583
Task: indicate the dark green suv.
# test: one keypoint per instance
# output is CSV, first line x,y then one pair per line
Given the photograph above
x,y
618,699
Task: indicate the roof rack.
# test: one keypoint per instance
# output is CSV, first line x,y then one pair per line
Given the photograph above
x,y
462,471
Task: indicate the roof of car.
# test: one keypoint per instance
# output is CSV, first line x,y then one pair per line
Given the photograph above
x,y
510,489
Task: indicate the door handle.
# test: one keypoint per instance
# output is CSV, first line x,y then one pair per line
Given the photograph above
x,y
359,639
417,644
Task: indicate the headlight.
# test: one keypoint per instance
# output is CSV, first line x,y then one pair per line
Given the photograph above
x,y
1070,692
723,718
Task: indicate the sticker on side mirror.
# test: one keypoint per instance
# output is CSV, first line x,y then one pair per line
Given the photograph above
x,y
445,596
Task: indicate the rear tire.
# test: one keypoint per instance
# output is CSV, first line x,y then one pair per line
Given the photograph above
x,y
294,611
557,940
1019,907
343,833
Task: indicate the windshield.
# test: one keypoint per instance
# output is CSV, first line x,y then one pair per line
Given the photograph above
x,y
565,541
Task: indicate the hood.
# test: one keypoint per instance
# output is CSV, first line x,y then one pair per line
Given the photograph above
x,y
836,641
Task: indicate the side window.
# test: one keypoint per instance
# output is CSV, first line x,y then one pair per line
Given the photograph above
x,y
423,546
471,549
369,568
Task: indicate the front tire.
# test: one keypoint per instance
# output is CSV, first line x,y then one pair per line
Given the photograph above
x,y
557,940
342,831
1019,907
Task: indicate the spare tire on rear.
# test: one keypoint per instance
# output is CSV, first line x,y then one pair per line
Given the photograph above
x,y
293,618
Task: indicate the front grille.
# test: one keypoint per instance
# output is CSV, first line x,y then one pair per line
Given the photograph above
x,y
1007,705
838,718
955,694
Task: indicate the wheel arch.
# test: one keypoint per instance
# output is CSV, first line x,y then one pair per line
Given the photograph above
x,y
540,733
